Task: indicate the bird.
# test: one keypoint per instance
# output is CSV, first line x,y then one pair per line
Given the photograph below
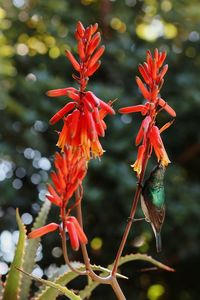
x,y
153,202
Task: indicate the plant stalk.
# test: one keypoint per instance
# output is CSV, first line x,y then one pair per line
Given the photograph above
x,y
103,280
64,246
132,213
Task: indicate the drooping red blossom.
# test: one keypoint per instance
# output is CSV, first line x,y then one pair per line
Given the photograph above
x,y
157,144
43,230
72,226
152,72
76,233
82,123
71,168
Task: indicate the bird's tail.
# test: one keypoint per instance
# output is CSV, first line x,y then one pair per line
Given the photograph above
x,y
158,241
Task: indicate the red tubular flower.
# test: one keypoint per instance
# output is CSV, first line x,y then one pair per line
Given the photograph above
x,y
143,130
43,230
152,72
73,236
156,142
83,126
131,109
71,168
76,233
137,166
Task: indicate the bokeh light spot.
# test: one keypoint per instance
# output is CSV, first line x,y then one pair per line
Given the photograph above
x,y
96,243
18,3
17,184
35,178
155,291
54,52
27,218
50,40
117,24
29,153
166,5
40,126
2,13
6,51
190,52
31,77
150,32
20,172
37,272
22,49
44,164
3,268
170,31
126,119
194,36
57,252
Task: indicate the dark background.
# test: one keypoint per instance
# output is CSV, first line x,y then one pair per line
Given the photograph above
x,y
33,37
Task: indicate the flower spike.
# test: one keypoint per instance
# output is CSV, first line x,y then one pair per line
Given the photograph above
x,y
148,136
82,124
71,168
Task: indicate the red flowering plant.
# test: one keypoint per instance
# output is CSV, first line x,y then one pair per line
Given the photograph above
x,y
148,139
71,168
84,123
148,136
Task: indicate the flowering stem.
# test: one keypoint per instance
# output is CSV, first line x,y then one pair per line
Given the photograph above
x,y
86,258
64,242
116,288
132,213
104,280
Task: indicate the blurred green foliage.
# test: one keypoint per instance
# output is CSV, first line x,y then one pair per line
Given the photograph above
x,y
33,37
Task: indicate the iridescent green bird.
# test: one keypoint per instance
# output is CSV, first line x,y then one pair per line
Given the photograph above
x,y
153,202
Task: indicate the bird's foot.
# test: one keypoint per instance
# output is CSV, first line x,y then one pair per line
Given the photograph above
x,y
135,220
140,184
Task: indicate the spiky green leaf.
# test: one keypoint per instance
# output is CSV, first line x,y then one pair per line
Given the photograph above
x,y
63,276
144,257
31,249
13,282
61,289
87,291
51,294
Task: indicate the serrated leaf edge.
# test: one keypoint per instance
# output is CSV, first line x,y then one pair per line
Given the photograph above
x,y
12,271
42,215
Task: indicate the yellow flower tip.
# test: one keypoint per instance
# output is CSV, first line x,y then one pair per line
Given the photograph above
x,y
137,168
165,161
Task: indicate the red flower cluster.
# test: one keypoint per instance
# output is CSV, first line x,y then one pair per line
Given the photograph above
x,y
71,168
76,234
72,226
83,124
152,73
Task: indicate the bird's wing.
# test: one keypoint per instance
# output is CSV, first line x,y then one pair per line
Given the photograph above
x,y
156,215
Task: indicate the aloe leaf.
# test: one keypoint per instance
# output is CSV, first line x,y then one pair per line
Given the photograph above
x,y
31,249
87,291
13,282
61,289
51,294
144,257
65,275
